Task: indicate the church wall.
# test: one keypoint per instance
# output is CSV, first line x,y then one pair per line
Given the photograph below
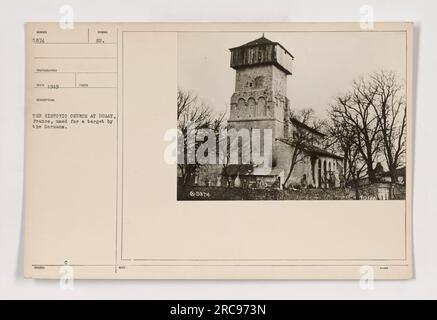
x,y
279,85
301,172
275,126
254,78
260,92
252,105
281,157
267,77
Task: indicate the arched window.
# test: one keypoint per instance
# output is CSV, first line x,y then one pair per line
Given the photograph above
x,y
261,109
259,82
319,173
234,110
251,106
241,107
324,170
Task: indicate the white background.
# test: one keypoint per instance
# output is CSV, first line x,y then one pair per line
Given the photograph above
x,y
14,13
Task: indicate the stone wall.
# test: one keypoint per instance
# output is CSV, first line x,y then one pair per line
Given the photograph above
x,y
261,77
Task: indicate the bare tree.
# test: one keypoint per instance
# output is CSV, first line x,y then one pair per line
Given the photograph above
x,y
356,111
344,139
193,115
370,120
185,99
390,108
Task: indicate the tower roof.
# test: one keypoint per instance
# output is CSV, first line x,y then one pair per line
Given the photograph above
x,y
261,51
262,41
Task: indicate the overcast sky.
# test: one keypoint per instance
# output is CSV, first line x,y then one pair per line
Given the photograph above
x,y
325,63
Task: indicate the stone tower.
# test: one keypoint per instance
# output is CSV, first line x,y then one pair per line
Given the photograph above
x,y
259,100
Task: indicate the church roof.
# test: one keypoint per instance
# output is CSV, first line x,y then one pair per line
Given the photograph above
x,y
303,125
312,149
319,151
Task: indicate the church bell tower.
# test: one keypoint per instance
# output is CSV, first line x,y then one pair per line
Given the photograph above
x,y
260,100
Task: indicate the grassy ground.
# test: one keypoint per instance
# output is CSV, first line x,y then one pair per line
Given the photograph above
x,y
223,193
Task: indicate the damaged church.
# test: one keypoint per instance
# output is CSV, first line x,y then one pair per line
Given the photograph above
x,y
260,102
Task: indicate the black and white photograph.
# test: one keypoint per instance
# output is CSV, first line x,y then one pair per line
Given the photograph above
x,y
292,115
